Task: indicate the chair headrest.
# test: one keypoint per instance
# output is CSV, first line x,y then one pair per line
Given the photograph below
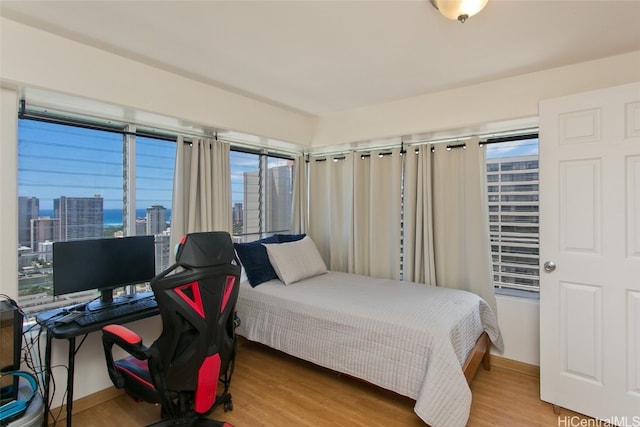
x,y
205,249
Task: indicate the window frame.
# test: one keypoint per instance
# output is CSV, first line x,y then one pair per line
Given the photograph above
x,y
129,133
263,196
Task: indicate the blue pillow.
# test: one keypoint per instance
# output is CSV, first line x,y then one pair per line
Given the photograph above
x,y
284,238
255,260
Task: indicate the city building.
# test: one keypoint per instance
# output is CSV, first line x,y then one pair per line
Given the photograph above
x,y
156,219
278,193
163,251
80,217
45,251
26,257
141,227
513,221
44,229
237,213
28,209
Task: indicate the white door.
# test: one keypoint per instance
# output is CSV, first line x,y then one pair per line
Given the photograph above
x,y
590,230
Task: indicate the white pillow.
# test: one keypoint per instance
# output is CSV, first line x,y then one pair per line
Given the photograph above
x,y
294,261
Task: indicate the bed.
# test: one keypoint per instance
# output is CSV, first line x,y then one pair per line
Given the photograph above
x,y
406,337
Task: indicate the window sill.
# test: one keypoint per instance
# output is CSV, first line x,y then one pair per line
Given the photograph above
x,y
518,293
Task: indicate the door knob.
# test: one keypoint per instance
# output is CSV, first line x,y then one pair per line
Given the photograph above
x,y
549,266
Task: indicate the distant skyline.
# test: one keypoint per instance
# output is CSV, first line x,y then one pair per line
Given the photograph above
x,y
112,216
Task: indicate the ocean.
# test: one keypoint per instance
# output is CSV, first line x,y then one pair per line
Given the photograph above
x,y
111,217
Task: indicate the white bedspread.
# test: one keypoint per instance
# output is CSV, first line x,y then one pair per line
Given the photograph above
x,y
406,337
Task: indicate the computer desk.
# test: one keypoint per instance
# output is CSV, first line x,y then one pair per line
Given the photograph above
x,y
69,332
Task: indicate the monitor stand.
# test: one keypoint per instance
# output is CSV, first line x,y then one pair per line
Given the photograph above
x,y
106,301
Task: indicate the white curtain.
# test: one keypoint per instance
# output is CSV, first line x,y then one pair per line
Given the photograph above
x,y
299,205
331,208
341,211
418,256
354,212
461,221
319,205
376,214
201,188
355,202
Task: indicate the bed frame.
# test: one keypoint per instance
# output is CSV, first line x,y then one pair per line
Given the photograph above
x,y
481,352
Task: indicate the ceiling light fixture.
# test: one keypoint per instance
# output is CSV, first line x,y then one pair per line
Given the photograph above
x,y
459,9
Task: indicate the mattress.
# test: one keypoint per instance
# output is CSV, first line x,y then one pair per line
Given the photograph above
x,y
406,337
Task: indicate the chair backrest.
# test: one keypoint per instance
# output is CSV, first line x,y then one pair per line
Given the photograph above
x,y
196,305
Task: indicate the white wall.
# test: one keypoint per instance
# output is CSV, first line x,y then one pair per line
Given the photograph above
x,y
90,366
31,58
473,107
519,320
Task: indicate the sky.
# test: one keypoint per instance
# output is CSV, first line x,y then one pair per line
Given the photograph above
x,y
526,147
57,160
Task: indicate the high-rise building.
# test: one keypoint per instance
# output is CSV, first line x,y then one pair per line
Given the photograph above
x,y
163,250
80,217
44,229
513,221
28,209
278,193
237,213
141,226
156,219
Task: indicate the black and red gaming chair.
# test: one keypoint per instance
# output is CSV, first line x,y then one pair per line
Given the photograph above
x,y
181,370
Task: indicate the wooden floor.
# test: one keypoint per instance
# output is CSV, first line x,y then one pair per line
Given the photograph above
x,y
270,388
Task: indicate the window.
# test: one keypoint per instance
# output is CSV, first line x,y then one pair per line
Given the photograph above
x,y
512,174
262,191
155,164
73,184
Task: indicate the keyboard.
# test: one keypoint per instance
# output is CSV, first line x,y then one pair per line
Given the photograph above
x,y
107,314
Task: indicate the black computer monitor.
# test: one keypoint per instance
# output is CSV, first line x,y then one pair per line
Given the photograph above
x,y
103,264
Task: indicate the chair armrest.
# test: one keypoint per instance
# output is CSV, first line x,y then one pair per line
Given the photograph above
x,y
126,339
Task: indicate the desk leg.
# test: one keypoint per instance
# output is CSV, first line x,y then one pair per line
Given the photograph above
x,y
47,378
72,358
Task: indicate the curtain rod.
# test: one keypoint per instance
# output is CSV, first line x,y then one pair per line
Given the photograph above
x,y
485,139
519,137
497,140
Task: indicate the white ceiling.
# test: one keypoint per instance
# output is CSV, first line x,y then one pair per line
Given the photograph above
x,y
320,57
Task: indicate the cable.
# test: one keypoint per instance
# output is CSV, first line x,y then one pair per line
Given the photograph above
x,y
14,304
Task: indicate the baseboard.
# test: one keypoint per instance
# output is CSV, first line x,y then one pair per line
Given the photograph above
x,y
85,403
516,366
